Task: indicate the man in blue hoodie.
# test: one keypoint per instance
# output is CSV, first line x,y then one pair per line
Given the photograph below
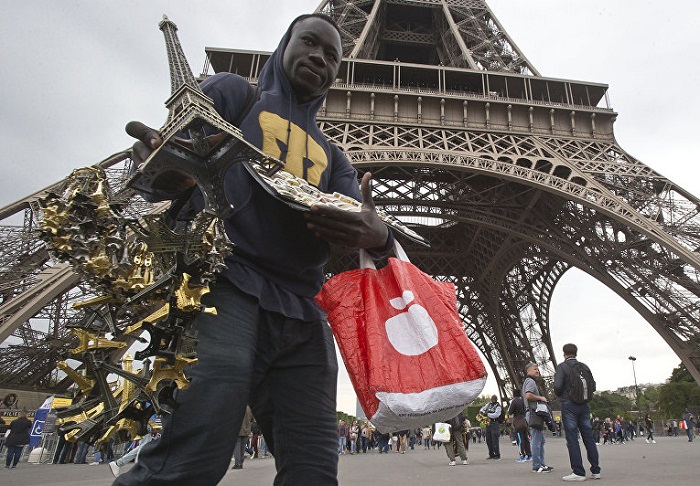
x,y
269,345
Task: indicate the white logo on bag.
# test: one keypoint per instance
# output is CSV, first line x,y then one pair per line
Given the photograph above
x,y
412,332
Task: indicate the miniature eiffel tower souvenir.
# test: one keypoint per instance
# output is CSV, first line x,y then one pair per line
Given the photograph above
x,y
193,113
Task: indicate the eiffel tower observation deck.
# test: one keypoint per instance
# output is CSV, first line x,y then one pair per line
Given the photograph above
x,y
513,177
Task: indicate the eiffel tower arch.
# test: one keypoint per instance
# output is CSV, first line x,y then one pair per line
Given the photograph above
x,y
514,178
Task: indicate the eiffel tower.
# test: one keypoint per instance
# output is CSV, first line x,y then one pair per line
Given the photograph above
x,y
512,176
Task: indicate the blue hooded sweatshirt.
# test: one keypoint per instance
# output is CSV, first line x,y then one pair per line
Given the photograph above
x,y
276,258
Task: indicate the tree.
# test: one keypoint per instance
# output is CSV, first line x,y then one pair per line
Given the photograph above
x,y
649,398
680,392
611,405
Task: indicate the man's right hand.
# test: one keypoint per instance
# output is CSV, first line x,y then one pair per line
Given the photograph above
x,y
169,182
148,140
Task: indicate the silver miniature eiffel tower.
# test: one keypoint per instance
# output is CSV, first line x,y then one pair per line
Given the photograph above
x,y
193,113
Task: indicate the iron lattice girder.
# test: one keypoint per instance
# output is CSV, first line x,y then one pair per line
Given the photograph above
x,y
512,157
484,179
468,32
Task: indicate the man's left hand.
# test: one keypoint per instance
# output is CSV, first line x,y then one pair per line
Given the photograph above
x,y
361,229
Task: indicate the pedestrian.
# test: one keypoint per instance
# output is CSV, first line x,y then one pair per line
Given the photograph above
x,y
134,454
19,437
268,344
649,424
493,430
456,440
382,441
403,441
365,435
517,412
342,436
576,416
689,424
354,436
239,451
426,437
257,434
531,396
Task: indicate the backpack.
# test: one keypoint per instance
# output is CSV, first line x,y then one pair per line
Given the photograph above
x,y
581,383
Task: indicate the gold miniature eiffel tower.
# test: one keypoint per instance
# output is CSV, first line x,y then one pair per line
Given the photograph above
x,y
193,113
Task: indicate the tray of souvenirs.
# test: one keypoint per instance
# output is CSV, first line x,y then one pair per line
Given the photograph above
x,y
299,194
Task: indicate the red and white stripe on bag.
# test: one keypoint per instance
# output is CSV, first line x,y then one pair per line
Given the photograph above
x,y
401,339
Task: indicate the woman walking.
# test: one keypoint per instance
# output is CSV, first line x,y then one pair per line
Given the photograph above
x,y
650,429
18,438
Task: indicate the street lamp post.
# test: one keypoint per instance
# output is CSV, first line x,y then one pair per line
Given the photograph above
x,y
636,388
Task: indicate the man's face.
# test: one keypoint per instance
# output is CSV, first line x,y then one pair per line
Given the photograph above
x,y
312,57
533,371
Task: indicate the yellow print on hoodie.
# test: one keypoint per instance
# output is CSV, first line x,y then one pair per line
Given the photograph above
x,y
274,137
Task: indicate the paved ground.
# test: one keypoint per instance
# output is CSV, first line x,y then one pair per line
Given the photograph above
x,y
672,461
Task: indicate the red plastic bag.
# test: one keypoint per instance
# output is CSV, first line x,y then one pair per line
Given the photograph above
x,y
402,341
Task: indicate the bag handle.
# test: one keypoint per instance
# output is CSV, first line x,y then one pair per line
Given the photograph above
x,y
367,262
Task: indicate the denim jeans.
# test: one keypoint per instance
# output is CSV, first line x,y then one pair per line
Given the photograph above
x,y
577,418
341,444
537,444
134,452
14,453
81,453
285,369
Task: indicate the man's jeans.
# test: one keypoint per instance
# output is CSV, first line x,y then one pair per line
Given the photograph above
x,y
285,369
364,443
577,418
134,452
537,444
341,444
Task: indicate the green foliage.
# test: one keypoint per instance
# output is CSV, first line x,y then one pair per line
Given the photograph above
x,y
681,375
611,405
675,397
471,411
481,401
680,392
346,417
648,399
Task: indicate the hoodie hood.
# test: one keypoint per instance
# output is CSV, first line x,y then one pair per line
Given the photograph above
x,y
274,79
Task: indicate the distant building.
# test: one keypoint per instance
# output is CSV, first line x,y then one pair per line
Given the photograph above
x,y
629,391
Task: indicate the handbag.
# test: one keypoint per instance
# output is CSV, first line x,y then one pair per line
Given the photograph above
x,y
401,339
534,420
442,432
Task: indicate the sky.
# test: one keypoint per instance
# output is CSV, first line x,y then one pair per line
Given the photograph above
x,y
76,71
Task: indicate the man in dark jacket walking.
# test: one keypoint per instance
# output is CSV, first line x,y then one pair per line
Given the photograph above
x,y
576,418
18,438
